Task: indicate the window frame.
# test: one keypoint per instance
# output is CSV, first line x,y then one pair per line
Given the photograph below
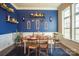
x,y
64,18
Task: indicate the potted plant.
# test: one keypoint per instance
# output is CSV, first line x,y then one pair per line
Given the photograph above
x,y
17,39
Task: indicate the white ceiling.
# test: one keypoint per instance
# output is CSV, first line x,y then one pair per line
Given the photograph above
x,y
40,6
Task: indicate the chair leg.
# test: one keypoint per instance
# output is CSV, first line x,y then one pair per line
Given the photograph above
x,y
47,52
36,51
39,51
28,51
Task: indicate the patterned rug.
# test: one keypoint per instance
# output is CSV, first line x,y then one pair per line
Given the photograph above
x,y
57,52
51,52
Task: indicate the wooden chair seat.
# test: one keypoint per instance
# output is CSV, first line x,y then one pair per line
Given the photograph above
x,y
32,46
44,46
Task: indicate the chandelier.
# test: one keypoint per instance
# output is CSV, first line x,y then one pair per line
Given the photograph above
x,y
37,15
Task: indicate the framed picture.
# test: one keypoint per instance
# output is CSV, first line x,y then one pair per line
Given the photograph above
x,y
50,18
46,25
28,24
37,25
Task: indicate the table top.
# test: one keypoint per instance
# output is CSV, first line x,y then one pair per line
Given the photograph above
x,y
32,38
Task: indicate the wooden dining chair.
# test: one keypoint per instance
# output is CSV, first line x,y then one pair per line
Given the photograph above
x,y
43,44
32,44
56,40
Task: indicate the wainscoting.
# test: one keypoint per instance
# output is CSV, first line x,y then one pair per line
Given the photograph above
x,y
6,41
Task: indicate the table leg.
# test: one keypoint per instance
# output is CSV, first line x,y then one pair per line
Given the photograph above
x,y
51,46
24,47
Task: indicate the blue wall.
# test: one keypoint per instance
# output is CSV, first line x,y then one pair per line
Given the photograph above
x,y
52,26
6,27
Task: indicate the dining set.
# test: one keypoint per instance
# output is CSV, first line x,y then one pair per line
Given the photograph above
x,y
37,43
34,42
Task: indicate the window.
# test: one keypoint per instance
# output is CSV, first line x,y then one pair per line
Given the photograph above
x,y
66,22
70,26
76,20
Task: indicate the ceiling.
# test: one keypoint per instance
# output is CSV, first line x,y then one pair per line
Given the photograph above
x,y
46,6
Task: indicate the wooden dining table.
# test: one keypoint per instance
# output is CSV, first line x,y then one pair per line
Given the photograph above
x,y
30,39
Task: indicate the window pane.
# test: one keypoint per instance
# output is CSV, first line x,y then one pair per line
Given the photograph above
x,y
77,20
67,33
77,34
77,7
67,12
67,22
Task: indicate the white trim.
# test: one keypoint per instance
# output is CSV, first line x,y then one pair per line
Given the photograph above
x,y
33,8
73,30
14,5
62,22
36,8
